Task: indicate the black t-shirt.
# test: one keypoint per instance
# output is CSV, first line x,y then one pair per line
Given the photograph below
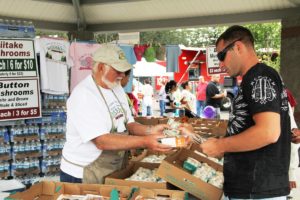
x,y
261,173
211,90
169,101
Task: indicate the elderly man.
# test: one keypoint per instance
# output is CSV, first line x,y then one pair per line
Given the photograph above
x,y
99,120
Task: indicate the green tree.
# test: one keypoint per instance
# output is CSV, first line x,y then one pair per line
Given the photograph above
x,y
106,37
51,33
267,35
267,38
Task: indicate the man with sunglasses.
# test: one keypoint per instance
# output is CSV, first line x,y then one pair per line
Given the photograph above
x,y
257,144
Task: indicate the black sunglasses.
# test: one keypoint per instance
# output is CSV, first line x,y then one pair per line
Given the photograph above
x,y
222,54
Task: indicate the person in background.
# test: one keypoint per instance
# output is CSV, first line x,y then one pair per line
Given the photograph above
x,y
213,95
292,100
235,88
293,104
99,121
170,88
132,100
257,144
294,152
147,98
296,136
162,97
201,95
188,98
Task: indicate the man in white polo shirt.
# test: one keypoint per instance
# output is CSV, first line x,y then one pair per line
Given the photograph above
x,y
99,120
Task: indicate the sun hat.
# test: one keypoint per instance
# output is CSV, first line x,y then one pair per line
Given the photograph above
x,y
112,55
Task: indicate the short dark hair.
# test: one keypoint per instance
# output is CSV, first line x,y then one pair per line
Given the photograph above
x,y
147,81
184,84
237,32
170,85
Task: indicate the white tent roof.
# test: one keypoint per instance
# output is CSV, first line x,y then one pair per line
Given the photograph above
x,y
138,15
144,68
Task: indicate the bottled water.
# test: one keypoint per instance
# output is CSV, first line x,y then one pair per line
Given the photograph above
x,y
6,135
36,129
1,132
12,132
22,147
42,131
30,129
45,148
25,130
48,129
177,110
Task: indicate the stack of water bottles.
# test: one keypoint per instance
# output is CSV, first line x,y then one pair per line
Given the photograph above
x,y
5,153
16,29
52,132
51,165
26,150
31,148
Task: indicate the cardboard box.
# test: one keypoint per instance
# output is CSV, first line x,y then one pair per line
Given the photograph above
x,y
4,174
156,193
118,177
5,156
147,153
196,149
20,138
163,120
50,190
146,120
31,154
210,127
171,170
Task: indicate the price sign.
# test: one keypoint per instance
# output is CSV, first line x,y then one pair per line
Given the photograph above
x,y
17,58
19,99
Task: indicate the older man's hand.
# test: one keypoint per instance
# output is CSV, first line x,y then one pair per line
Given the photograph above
x,y
158,129
152,143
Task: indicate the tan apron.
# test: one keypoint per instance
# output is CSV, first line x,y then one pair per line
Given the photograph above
x,y
109,160
105,164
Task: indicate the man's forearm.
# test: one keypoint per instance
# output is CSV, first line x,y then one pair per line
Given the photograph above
x,y
118,141
251,139
135,128
218,96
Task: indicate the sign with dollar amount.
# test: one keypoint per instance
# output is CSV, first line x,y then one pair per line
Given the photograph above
x,y
17,58
212,61
19,99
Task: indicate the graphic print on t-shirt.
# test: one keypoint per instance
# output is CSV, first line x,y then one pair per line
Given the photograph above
x,y
118,116
284,100
56,52
263,90
86,62
238,117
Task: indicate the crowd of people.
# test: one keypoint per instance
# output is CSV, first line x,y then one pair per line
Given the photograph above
x,y
172,96
257,145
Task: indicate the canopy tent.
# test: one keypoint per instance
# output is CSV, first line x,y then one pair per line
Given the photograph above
x,y
144,68
138,15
